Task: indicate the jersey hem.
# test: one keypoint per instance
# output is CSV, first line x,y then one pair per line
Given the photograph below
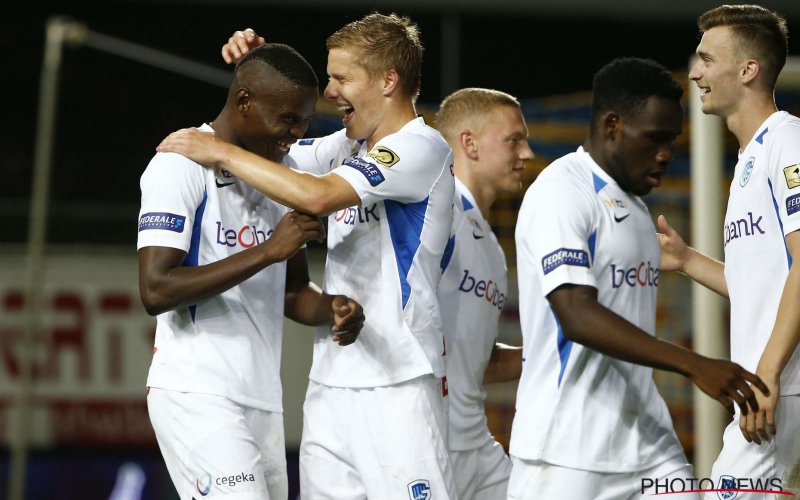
x,y
378,382
240,400
601,466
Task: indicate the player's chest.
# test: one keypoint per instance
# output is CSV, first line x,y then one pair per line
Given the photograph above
x,y
623,231
236,221
750,185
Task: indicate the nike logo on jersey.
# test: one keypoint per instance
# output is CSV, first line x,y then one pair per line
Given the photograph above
x,y
620,219
226,176
477,230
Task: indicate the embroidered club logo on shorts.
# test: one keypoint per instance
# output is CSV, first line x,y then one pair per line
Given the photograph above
x,y
727,483
384,156
792,175
370,171
162,220
419,489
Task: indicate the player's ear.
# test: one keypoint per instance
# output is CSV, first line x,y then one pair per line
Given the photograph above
x,y
391,82
469,144
612,124
749,70
243,100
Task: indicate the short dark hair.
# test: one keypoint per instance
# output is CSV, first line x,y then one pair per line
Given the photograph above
x,y
760,33
285,60
625,84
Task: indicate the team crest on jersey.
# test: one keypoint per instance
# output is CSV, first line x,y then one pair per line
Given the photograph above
x,y
384,156
727,483
792,175
747,172
419,489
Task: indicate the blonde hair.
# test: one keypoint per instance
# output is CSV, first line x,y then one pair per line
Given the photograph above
x,y
468,104
383,42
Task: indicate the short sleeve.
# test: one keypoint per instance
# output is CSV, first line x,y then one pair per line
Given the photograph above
x,y
784,175
173,190
319,156
402,167
557,229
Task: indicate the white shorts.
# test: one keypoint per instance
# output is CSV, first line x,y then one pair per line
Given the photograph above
x,y
381,443
215,448
482,473
772,464
534,479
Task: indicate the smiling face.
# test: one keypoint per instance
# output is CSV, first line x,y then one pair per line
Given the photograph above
x,y
717,70
642,145
503,148
355,93
275,116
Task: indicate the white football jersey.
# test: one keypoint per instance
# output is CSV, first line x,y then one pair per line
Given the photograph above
x,y
472,294
576,407
763,207
387,253
227,345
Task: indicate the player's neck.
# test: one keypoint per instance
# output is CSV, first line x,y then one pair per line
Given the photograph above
x,y
395,116
748,117
222,128
482,192
597,154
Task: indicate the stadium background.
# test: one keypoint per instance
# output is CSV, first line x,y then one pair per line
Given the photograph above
x,y
91,357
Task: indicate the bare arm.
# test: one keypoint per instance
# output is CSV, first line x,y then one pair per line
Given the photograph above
x,y
308,305
505,364
604,331
164,284
309,193
676,255
782,343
